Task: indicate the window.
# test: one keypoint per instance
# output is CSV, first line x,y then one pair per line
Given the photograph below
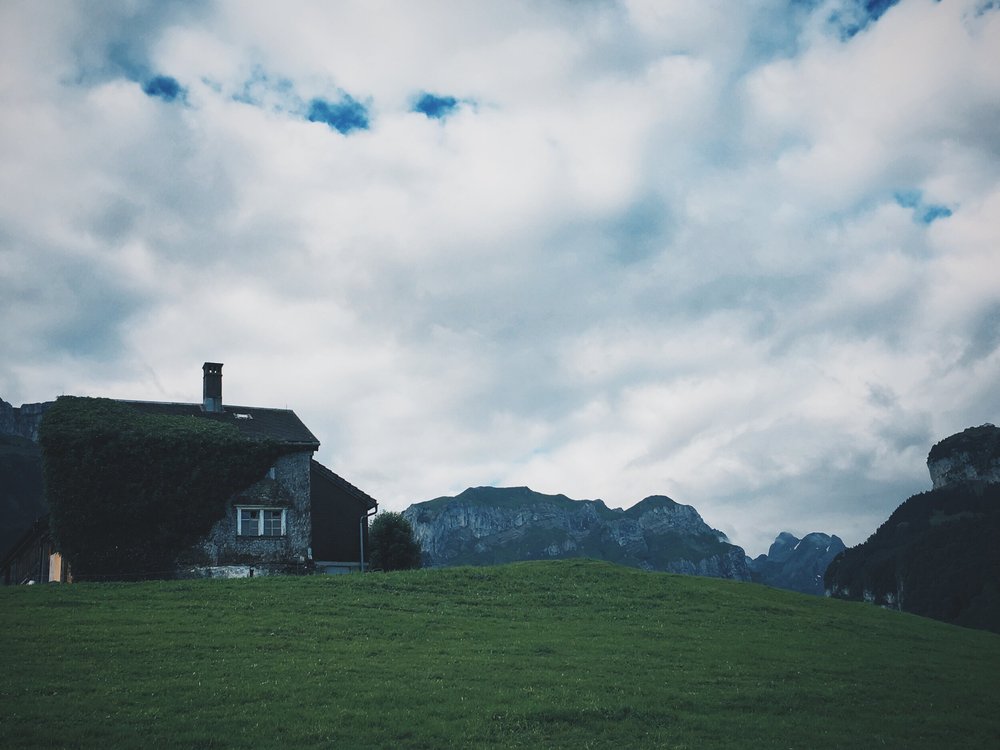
x,y
261,521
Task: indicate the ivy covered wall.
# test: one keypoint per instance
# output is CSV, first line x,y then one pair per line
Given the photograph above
x,y
128,492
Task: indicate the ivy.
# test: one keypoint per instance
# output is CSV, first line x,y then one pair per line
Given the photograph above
x,y
129,491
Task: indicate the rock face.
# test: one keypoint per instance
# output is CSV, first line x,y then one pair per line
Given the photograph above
x,y
937,555
797,564
491,525
969,455
22,421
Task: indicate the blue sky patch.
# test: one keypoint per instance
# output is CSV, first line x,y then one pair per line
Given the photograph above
x,y
923,212
434,106
852,20
163,87
875,8
344,116
277,93
930,213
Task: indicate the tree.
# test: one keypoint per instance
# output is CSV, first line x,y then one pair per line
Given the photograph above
x,y
392,545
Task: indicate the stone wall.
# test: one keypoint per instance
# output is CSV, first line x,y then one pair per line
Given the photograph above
x,y
223,547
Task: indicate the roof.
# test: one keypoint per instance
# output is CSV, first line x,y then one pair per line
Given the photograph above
x,y
254,422
343,484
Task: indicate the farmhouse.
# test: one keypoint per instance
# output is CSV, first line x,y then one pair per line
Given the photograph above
x,y
300,517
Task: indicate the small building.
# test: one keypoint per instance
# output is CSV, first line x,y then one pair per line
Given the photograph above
x,y
300,517
33,558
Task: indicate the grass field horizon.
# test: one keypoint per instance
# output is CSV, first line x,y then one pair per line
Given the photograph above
x,y
572,653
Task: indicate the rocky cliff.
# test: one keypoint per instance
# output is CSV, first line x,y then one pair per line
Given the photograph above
x,y
491,525
22,421
937,554
969,455
797,564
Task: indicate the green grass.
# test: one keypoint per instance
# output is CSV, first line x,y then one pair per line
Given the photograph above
x,y
556,654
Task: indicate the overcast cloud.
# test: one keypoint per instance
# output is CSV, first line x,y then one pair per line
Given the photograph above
x,y
744,254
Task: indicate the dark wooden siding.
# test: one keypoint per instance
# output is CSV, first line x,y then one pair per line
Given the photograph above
x,y
29,559
337,512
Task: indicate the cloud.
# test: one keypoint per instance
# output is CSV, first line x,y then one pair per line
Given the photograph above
x,y
107,41
922,212
695,249
262,89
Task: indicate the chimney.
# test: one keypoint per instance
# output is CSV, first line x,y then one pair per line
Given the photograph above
x,y
212,387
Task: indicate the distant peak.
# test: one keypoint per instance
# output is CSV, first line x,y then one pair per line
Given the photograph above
x,y
656,501
489,494
510,491
817,538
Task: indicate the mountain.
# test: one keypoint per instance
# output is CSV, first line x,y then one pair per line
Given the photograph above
x,y
491,525
937,555
797,564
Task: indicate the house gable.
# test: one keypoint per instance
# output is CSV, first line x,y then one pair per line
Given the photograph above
x,y
339,517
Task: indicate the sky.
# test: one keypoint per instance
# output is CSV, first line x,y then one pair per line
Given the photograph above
x,y
743,254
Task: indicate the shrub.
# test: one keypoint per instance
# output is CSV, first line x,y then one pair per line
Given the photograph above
x,y
392,544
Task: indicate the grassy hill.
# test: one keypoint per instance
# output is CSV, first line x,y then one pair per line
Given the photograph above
x,y
553,654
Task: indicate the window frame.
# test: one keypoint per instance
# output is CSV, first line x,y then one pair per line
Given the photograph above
x,y
261,511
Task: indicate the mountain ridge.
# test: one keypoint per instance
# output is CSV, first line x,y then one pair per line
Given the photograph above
x,y
797,564
490,525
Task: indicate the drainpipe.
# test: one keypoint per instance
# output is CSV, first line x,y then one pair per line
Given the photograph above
x,y
362,525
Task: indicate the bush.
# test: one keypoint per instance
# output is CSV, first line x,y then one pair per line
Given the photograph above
x,y
392,544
